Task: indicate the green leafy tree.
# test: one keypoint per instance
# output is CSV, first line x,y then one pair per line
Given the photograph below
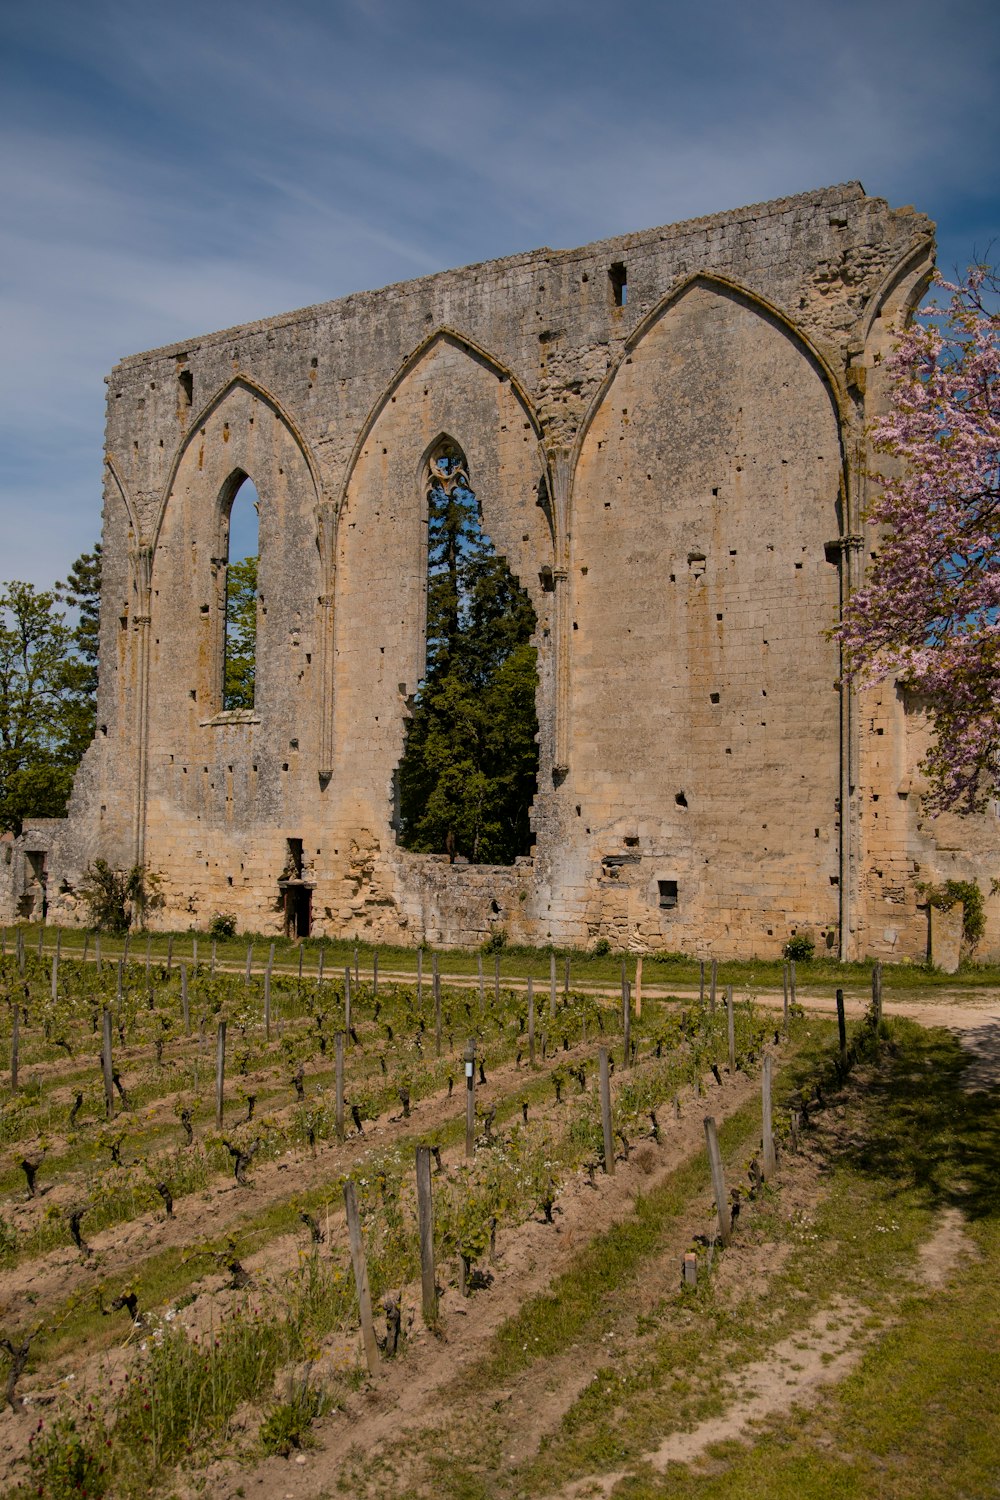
x,y
241,634
45,706
468,775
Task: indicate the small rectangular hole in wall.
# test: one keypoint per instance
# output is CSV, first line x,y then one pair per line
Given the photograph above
x,y
185,380
618,277
667,891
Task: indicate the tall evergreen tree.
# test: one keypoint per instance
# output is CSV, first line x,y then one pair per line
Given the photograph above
x,y
468,775
241,634
82,592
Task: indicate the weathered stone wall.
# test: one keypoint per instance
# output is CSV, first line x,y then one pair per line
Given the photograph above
x,y
666,434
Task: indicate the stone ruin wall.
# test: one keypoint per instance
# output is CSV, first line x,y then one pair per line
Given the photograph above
x,y
675,471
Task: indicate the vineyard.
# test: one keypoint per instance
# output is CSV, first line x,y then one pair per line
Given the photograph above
x,y
164,1122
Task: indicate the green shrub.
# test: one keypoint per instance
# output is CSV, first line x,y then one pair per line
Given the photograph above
x,y
116,899
497,940
222,925
800,948
601,948
289,1424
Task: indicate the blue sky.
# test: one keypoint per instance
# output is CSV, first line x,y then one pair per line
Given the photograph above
x,y
166,170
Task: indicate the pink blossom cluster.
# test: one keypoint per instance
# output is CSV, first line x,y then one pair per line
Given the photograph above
x,y
929,610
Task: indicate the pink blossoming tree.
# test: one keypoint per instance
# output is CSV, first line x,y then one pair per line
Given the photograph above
x,y
929,611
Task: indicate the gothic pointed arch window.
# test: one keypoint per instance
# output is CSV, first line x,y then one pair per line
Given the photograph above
x,y
469,771
239,654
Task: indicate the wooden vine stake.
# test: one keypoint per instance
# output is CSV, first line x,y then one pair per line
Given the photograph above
x,y
718,1181
170,953
436,980
470,1098
361,1278
638,985
791,981
55,977
347,998
249,967
374,971
701,982
769,1164
267,993
220,1072
731,1028
185,1008
877,993
531,1021
842,1026
784,987
15,1046
713,977
109,1081
627,1022
420,977
425,1220
605,1087
566,980
552,986
338,1053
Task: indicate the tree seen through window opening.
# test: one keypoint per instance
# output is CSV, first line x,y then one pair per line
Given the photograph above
x,y
240,659
469,770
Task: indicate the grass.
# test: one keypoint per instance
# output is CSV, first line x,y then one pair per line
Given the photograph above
x,y
822,973
918,1420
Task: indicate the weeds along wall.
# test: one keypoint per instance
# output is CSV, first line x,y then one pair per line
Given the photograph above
x,y
666,434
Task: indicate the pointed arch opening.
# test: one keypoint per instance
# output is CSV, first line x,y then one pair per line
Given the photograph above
x,y
241,533
469,770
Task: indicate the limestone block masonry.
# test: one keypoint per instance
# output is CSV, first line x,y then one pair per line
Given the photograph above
x,y
667,435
